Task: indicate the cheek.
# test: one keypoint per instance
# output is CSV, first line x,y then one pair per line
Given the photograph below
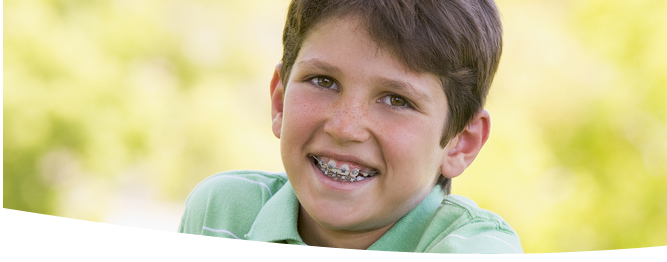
x,y
412,146
300,115
410,134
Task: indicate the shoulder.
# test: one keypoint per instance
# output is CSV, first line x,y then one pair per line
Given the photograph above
x,y
222,208
240,182
464,227
227,203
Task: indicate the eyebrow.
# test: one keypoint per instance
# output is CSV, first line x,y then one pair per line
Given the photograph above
x,y
315,64
318,65
404,87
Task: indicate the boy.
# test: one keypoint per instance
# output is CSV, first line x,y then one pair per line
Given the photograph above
x,y
377,105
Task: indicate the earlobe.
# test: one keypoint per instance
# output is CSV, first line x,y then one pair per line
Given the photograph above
x,y
463,149
277,90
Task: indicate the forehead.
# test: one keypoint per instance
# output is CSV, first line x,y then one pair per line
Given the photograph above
x,y
351,29
343,45
389,33
347,37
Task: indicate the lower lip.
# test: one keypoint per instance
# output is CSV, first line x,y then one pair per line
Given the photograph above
x,y
335,184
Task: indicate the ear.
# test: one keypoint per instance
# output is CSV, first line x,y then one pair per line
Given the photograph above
x,y
462,149
277,91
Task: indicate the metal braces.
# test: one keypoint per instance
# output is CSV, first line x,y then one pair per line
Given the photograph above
x,y
343,174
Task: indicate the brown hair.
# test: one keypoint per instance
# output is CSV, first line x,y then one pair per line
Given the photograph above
x,y
460,41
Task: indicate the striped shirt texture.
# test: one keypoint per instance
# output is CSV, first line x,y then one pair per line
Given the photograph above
x,y
262,206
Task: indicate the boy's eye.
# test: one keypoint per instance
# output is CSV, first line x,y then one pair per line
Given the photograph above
x,y
323,82
395,100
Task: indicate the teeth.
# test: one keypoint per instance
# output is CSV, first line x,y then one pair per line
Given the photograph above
x,y
343,173
332,164
345,169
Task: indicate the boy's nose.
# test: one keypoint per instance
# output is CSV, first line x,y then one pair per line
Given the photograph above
x,y
348,122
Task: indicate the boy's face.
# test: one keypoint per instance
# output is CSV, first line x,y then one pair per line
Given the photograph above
x,y
351,101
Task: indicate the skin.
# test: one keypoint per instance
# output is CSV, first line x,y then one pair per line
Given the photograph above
x,y
351,100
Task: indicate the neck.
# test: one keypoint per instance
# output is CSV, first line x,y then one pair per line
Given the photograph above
x,y
315,234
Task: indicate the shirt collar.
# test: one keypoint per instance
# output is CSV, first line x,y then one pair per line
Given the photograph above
x,y
277,220
406,233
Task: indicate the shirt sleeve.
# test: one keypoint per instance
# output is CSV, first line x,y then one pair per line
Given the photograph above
x,y
480,237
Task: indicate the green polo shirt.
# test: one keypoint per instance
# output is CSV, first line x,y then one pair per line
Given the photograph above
x,y
262,206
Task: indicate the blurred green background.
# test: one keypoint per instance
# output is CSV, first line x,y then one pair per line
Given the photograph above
x,y
114,110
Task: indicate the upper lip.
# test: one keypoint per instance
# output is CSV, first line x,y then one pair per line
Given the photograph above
x,y
345,158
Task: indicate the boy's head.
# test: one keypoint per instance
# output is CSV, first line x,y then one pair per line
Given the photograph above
x,y
358,103
460,41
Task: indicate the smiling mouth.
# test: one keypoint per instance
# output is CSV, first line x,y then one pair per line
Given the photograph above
x,y
342,173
